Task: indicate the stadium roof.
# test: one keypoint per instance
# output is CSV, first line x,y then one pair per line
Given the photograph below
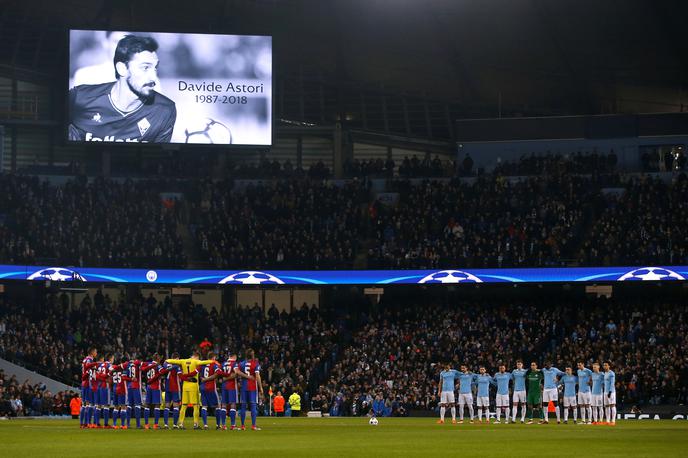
x,y
536,56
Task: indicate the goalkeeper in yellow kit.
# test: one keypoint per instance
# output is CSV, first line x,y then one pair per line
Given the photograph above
x,y
190,392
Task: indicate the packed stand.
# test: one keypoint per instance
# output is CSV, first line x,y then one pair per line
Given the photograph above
x,y
557,164
491,222
408,168
27,399
283,224
295,348
81,223
393,365
643,225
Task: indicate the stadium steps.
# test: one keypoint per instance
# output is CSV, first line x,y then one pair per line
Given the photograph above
x,y
191,251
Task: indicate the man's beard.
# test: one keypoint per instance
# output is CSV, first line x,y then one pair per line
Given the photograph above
x,y
144,97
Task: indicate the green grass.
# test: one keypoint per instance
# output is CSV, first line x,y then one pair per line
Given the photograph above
x,y
350,437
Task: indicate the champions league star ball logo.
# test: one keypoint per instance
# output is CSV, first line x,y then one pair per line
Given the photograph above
x,y
208,131
650,274
251,278
450,276
56,274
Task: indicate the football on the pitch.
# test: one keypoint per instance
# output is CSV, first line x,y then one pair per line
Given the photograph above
x,y
651,274
450,276
208,131
251,277
56,274
372,421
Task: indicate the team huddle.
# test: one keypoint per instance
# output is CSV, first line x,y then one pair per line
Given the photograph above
x,y
116,391
591,391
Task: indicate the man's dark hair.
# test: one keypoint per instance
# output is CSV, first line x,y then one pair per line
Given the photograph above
x,y
130,45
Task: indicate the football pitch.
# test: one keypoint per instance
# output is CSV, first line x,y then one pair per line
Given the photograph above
x,y
324,437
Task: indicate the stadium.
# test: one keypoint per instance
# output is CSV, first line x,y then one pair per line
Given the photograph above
x,y
313,228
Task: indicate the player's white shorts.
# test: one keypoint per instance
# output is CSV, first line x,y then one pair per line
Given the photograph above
x,y
550,394
502,400
609,400
596,400
584,399
447,397
465,398
569,401
483,401
519,397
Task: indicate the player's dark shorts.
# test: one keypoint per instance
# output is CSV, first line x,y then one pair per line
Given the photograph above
x,y
250,397
230,396
172,396
102,397
209,398
534,398
152,396
134,397
87,394
119,400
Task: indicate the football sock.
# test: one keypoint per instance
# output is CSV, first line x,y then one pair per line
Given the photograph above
x,y
442,410
156,415
182,414
204,415
232,416
453,412
254,413
196,413
166,415
146,415
613,417
175,415
242,414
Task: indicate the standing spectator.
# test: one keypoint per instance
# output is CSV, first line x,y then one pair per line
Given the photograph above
x,y
278,404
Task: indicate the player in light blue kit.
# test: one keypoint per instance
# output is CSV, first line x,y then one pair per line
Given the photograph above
x,y
483,380
466,381
597,379
609,395
584,395
502,379
519,395
448,378
569,381
550,391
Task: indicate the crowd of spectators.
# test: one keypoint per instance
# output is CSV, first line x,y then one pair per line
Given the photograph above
x,y
557,215
660,160
23,399
393,365
412,167
389,362
97,223
644,225
489,222
282,224
295,348
556,164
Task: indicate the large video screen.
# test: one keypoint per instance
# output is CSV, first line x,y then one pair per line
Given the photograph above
x,y
169,88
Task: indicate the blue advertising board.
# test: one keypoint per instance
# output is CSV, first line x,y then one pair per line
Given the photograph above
x,y
344,277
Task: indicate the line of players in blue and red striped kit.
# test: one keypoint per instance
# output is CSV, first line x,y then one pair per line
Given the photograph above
x,y
116,391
